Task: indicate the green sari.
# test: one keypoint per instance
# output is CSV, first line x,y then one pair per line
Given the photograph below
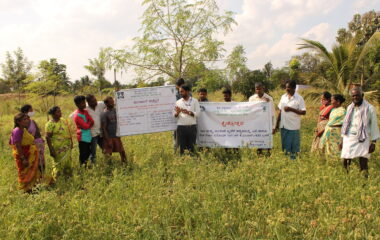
x,y
61,142
331,137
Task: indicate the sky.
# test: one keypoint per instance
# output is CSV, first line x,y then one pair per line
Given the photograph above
x,y
73,31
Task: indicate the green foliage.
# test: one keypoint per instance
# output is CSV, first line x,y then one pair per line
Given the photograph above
x,y
97,67
50,71
175,35
246,84
212,80
4,87
294,69
16,71
279,77
361,27
344,61
236,63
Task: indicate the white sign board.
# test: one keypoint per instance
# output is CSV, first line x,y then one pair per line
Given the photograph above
x,y
235,125
145,110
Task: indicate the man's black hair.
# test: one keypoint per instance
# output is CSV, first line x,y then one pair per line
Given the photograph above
x,y
259,84
106,99
186,88
26,108
203,90
180,82
79,99
89,97
227,91
292,84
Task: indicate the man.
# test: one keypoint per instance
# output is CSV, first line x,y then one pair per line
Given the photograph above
x,y
178,85
111,142
95,109
359,131
202,95
227,95
261,96
292,107
83,122
186,111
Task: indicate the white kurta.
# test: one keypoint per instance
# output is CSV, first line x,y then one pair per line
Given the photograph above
x,y
352,148
256,98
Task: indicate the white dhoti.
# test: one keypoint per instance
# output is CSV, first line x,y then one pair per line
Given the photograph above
x,y
352,148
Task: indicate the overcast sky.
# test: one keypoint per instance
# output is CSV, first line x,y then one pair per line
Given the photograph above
x,y
74,30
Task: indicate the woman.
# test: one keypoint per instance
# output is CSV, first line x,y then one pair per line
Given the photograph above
x,y
331,137
25,153
324,113
58,138
35,131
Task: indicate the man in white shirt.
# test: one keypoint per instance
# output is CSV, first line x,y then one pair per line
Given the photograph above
x,y
261,96
359,131
95,109
292,107
186,111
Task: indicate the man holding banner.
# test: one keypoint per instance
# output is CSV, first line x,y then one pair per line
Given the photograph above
x,y
186,111
261,96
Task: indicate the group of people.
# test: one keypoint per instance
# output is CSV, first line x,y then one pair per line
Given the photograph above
x,y
347,133
342,133
96,125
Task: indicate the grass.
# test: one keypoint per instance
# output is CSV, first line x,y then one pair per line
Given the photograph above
x,y
163,196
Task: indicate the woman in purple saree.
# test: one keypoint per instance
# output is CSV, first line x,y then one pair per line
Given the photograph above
x,y
35,131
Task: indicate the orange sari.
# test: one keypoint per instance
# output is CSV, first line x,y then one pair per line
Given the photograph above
x,y
27,176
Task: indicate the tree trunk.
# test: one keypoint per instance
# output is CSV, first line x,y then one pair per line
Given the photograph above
x,y
114,75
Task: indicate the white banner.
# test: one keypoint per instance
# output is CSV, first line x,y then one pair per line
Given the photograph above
x,y
145,110
235,125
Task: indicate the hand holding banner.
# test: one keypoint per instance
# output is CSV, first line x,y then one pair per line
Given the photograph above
x,y
235,125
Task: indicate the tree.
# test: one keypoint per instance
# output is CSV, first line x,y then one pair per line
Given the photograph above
x,y
279,77
236,63
97,67
362,27
212,80
42,89
4,87
268,69
83,85
294,66
16,70
246,84
177,34
54,75
345,61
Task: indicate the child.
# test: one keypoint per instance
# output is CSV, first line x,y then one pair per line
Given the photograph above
x,y
112,143
83,122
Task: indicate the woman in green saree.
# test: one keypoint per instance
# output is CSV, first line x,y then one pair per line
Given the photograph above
x,y
58,138
331,138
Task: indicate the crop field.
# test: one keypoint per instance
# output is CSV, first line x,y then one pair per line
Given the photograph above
x,y
215,195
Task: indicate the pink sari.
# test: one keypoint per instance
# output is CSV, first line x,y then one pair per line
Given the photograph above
x,y
40,144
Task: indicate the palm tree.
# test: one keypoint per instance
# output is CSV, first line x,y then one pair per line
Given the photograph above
x,y
346,62
97,67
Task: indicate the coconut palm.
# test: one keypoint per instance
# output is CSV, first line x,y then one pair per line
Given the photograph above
x,y
346,63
